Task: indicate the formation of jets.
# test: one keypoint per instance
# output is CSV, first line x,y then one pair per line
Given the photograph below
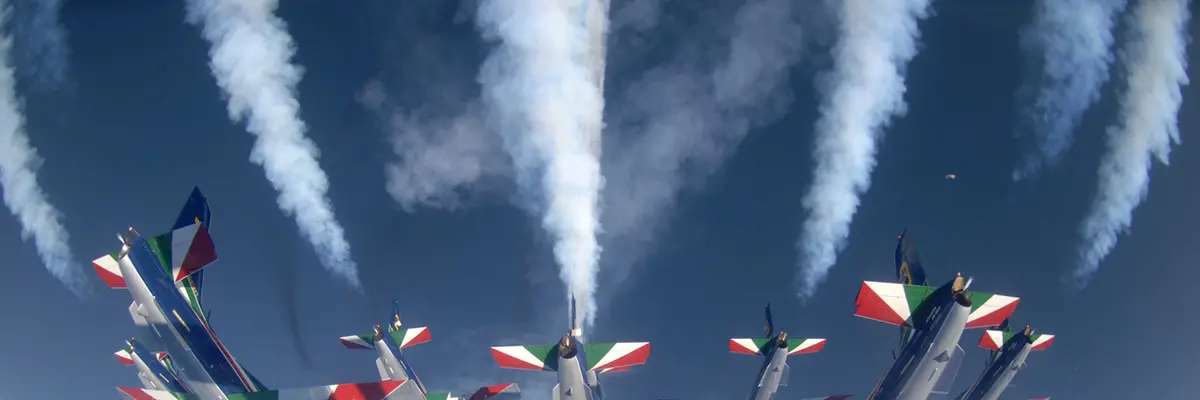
x,y
165,274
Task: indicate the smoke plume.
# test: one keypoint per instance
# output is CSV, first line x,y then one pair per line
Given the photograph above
x,y
678,122
1155,62
1074,38
864,91
41,48
19,162
540,92
251,54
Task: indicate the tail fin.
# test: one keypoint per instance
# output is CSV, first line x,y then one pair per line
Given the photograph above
x,y
908,264
187,248
576,331
770,323
395,315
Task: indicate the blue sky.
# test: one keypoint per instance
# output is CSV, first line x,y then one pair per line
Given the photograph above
x,y
143,122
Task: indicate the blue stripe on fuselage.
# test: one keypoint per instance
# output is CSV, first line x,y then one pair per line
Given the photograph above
x,y
390,342
157,368
183,319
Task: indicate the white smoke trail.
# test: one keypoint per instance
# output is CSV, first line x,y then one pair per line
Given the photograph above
x,y
1075,38
19,162
540,94
866,89
1155,60
251,54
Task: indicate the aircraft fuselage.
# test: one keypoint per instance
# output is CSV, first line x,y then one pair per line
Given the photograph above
x,y
200,359
574,381
771,374
153,373
999,373
926,355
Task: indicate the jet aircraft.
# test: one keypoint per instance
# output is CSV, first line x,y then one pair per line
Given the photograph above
x,y
776,348
576,363
154,369
394,367
932,320
1009,350
151,268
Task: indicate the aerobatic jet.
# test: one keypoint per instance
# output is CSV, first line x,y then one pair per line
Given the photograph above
x,y
776,349
393,366
576,363
1009,350
932,320
154,369
151,268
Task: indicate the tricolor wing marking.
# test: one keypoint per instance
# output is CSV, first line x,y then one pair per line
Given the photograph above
x,y
358,341
151,394
411,336
504,391
106,267
124,356
534,358
1041,342
441,396
611,355
990,309
191,249
744,346
394,390
805,346
891,303
992,340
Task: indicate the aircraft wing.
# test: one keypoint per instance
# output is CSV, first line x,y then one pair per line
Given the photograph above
x,y
988,310
507,391
403,338
612,356
387,390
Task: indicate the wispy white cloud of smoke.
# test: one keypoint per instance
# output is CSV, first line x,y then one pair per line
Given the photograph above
x,y
1073,42
250,58
19,162
863,92
41,42
1155,61
677,123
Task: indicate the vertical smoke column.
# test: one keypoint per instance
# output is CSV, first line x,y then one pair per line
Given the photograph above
x,y
865,90
1074,38
251,53
542,94
1155,59
18,175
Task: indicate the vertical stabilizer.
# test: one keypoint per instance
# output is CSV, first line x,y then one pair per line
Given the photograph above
x,y
770,328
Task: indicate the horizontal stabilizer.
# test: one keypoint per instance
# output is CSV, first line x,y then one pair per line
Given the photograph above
x,y
890,303
1041,341
507,391
533,358
994,340
403,338
988,310
613,369
614,355
758,346
396,390
125,356
107,269
188,249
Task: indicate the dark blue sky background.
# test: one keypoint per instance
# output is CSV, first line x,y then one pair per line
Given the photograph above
x,y
144,122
